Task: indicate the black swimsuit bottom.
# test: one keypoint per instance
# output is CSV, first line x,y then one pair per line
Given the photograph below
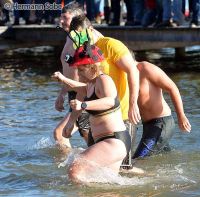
x,y
124,136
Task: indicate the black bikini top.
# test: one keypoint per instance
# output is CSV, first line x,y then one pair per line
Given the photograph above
x,y
101,112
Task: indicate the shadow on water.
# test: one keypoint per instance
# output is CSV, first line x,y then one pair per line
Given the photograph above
x,y
41,60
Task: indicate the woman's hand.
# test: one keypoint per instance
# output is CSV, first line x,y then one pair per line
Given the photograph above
x,y
75,104
58,76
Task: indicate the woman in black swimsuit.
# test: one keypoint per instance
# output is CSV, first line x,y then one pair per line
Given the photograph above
x,y
111,140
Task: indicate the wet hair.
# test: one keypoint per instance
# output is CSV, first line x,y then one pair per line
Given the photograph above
x,y
80,21
73,8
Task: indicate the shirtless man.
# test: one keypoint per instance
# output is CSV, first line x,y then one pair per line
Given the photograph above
x,y
123,64
157,120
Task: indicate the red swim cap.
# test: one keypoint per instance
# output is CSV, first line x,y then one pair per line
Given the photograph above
x,y
87,54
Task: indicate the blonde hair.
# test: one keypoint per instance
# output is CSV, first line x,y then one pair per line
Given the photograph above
x,y
97,68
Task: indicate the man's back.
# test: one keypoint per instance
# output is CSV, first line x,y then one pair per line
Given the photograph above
x,y
113,50
150,100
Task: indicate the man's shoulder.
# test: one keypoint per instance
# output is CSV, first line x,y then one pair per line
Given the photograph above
x,y
68,47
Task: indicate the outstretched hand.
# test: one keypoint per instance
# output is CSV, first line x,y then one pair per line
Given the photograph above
x,y
134,114
58,76
184,124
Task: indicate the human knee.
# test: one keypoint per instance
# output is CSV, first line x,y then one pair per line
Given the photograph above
x,y
75,173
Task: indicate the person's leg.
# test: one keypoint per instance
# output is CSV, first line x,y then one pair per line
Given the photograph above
x,y
116,9
98,10
90,9
195,7
159,10
177,12
6,13
16,13
139,11
167,10
26,13
167,15
149,17
130,12
156,135
107,153
58,132
107,10
166,134
39,13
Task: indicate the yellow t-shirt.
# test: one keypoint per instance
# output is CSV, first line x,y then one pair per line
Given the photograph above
x,y
113,50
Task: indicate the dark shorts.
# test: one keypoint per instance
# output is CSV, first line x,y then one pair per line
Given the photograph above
x,y
156,135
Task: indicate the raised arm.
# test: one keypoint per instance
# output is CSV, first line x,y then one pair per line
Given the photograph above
x,y
71,84
160,79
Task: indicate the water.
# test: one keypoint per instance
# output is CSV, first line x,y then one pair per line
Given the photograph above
x,y
31,164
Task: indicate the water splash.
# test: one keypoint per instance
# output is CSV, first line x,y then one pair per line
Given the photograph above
x,y
44,142
101,175
74,154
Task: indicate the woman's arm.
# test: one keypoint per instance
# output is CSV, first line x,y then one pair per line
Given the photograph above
x,y
105,90
72,84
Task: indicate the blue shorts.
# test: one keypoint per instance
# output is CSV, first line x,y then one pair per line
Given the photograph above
x,y
156,135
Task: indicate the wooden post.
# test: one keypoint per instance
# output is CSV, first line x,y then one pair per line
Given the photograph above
x,y
179,52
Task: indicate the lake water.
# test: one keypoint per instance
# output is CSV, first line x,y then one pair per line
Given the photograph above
x,y
31,164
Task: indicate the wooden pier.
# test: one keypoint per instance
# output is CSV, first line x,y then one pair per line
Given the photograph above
x,y
136,38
